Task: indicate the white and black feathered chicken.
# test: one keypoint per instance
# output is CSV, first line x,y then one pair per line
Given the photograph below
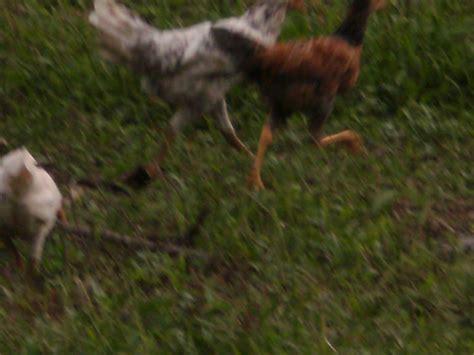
x,y
184,66
30,203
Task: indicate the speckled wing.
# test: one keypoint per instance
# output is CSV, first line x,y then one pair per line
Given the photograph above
x,y
166,52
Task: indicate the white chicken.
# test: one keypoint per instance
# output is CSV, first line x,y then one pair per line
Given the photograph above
x,y
184,66
30,202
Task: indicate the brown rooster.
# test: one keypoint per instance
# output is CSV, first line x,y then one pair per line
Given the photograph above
x,y
303,76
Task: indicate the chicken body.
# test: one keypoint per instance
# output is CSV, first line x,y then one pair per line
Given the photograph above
x,y
306,76
30,202
303,76
184,66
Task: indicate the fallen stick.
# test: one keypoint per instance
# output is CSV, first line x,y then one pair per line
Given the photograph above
x,y
139,242
97,184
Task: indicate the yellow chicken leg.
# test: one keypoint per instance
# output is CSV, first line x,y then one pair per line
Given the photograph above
x,y
266,138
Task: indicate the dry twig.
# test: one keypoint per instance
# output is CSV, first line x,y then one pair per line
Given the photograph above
x,y
137,242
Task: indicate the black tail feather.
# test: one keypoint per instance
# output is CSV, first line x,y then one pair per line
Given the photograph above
x,y
354,25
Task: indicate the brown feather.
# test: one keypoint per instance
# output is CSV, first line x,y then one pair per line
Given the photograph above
x,y
329,60
295,76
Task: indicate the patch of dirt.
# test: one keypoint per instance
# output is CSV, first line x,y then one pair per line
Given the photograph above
x,y
441,219
456,217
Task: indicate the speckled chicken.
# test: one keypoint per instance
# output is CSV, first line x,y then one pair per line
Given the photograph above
x,y
303,76
184,66
30,203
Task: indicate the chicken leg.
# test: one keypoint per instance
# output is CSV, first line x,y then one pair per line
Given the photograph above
x,y
228,131
12,248
148,172
266,138
38,246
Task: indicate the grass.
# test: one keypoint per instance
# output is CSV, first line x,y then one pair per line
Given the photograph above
x,y
339,253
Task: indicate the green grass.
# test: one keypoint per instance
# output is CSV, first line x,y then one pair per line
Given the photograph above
x,y
350,253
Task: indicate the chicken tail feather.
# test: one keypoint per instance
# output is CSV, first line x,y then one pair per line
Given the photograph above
x,y
119,29
352,29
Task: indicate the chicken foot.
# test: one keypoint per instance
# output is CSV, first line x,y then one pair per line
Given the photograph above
x,y
148,172
351,139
